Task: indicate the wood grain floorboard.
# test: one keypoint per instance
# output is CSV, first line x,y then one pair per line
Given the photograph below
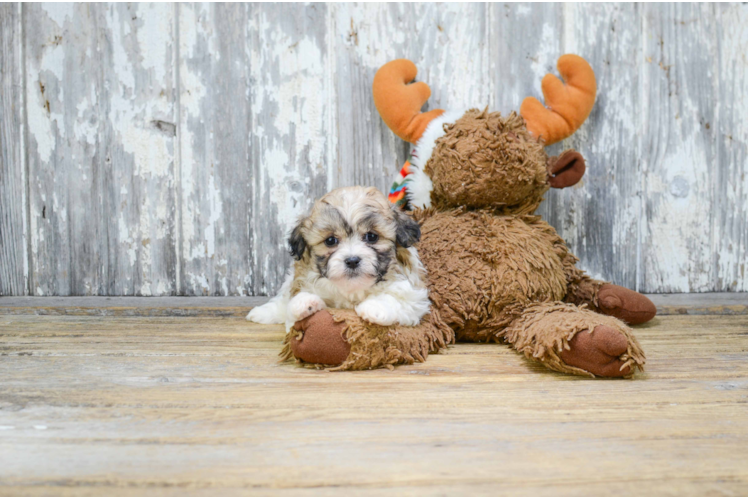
x,y
196,405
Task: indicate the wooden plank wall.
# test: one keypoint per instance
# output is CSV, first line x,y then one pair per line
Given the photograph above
x,y
161,149
13,221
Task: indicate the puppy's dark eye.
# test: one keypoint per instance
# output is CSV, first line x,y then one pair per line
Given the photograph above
x,y
331,241
371,237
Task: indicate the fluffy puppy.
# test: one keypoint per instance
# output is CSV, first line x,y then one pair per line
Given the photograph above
x,y
354,251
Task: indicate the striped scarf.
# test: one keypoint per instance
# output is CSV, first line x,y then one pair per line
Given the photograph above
x,y
399,191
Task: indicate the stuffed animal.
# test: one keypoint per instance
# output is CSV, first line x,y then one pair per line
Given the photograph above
x,y
496,271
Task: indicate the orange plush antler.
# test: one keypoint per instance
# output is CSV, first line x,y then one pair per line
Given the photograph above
x,y
399,102
568,105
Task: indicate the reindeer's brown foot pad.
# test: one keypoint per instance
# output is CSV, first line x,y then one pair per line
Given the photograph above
x,y
598,352
624,304
573,339
322,340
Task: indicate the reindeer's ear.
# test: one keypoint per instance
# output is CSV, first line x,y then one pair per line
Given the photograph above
x,y
565,170
296,241
408,231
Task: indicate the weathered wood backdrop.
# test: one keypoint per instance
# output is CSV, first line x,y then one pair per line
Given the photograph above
x,y
159,149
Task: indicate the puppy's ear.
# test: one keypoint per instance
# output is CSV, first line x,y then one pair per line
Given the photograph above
x,y
565,170
408,231
296,242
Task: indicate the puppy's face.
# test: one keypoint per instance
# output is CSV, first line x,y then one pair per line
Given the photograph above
x,y
351,237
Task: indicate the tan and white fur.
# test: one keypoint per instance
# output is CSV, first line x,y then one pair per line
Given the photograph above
x,y
354,251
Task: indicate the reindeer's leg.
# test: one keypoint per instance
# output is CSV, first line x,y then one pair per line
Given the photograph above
x,y
606,298
570,339
341,339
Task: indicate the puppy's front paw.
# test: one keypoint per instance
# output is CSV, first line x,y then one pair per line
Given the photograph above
x,y
304,305
267,314
376,312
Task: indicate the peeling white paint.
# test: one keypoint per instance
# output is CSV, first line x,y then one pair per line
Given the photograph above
x,y
84,127
215,200
679,217
192,92
44,124
120,58
59,12
543,62
154,38
124,238
199,282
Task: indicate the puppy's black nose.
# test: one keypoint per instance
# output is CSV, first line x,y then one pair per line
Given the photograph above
x,y
352,262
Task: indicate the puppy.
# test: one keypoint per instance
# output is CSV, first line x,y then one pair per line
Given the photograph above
x,y
354,251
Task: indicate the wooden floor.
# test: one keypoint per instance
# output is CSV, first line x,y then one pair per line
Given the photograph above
x,y
117,405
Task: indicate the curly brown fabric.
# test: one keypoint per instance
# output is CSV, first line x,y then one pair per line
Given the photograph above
x,y
484,269
373,346
485,160
580,288
544,330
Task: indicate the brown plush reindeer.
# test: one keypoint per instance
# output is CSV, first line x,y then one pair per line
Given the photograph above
x,y
496,271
